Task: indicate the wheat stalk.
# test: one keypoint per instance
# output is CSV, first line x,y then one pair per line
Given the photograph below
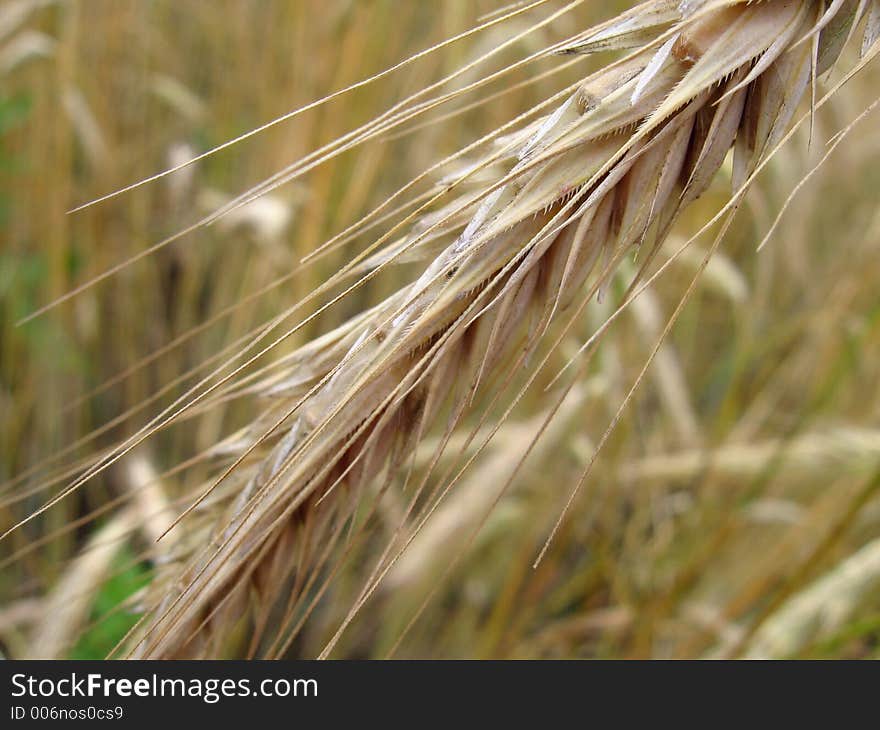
x,y
820,609
538,227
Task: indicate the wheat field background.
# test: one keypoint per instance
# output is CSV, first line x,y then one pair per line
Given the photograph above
x,y
733,510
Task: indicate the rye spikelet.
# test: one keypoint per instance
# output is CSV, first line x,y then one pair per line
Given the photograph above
x,y
521,240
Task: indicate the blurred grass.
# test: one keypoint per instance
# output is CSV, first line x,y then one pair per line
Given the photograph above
x,y
683,543
108,623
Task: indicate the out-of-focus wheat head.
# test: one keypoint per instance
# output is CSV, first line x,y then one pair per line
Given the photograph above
x,y
522,239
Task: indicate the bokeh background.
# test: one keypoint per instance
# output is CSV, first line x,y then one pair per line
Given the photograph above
x,y
735,511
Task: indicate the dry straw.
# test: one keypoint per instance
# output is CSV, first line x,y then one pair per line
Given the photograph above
x,y
516,244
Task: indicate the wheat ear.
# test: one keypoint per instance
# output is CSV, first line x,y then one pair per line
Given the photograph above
x,y
538,226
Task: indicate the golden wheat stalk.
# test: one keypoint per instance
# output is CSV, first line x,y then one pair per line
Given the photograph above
x,y
554,206
539,224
